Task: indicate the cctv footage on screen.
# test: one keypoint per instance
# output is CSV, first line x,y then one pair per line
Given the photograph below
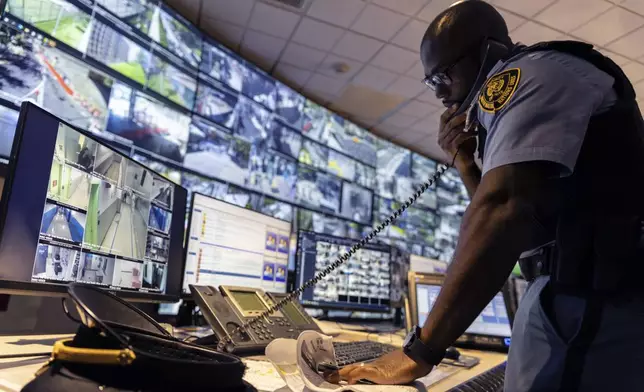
x,y
363,281
105,221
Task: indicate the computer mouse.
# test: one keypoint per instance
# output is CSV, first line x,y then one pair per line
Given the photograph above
x,y
452,353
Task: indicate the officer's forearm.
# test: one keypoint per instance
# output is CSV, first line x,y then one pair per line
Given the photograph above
x,y
493,233
470,174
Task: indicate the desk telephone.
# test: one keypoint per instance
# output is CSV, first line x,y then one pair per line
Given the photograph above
x,y
227,308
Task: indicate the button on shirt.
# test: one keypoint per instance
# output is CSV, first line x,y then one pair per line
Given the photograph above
x,y
547,116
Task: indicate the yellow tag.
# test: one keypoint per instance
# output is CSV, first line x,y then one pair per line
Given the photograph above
x,y
498,90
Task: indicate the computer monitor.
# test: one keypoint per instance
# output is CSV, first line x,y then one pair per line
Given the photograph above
x,y
235,246
76,210
361,283
427,265
491,329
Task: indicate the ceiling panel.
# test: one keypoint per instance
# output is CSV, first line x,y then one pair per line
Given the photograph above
x,y
630,45
406,87
512,20
531,33
237,12
262,49
527,8
634,71
633,5
417,70
567,15
227,33
296,77
317,34
407,7
609,26
272,20
302,56
378,22
410,35
395,58
337,12
357,46
330,64
374,78
325,84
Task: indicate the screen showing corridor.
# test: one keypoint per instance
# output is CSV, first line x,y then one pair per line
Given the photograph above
x,y
106,219
235,246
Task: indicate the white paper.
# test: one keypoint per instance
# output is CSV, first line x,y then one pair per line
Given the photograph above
x,y
293,360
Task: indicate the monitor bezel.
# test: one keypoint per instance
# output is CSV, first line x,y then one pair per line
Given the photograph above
x,y
60,289
298,271
468,338
188,295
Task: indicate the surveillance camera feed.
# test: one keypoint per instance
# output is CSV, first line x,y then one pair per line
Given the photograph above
x,y
393,169
365,175
8,124
314,154
217,104
166,171
284,140
214,152
344,136
276,209
320,223
253,120
289,106
221,64
314,121
273,174
318,190
361,283
259,87
356,203
106,218
137,118
341,165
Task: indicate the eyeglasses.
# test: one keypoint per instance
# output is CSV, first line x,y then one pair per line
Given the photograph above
x,y
442,77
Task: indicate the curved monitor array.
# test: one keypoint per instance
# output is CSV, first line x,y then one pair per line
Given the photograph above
x,y
147,82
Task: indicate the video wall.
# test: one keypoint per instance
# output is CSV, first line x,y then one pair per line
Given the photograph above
x,y
145,80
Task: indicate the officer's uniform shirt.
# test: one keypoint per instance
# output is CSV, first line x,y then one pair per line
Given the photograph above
x,y
546,116
543,115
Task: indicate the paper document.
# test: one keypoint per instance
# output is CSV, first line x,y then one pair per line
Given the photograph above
x,y
295,361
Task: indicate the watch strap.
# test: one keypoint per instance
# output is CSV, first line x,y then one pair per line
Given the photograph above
x,y
420,352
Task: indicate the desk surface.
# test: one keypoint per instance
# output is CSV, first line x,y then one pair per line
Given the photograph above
x,y
15,373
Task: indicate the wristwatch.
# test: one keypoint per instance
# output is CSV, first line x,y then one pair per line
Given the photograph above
x,y
420,353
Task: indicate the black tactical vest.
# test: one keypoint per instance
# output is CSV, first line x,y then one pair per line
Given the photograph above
x,y
598,218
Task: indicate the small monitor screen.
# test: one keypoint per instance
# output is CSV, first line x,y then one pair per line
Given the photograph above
x,y
353,140
273,174
220,64
318,190
294,314
259,87
424,264
356,203
394,171
217,103
248,301
231,245
289,106
314,154
492,321
361,283
341,165
254,120
314,121
283,139
85,213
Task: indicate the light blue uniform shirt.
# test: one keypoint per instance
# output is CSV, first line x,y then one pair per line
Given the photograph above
x,y
547,116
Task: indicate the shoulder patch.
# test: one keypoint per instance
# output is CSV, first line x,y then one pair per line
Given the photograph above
x,y
498,90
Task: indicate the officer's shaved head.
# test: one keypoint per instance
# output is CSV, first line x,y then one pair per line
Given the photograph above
x,y
461,28
455,39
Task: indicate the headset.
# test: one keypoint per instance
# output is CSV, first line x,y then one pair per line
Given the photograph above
x,y
491,52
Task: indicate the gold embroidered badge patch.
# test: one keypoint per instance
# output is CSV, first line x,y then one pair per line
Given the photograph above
x,y
498,90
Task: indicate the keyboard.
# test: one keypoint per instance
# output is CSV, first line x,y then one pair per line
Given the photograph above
x,y
357,352
491,381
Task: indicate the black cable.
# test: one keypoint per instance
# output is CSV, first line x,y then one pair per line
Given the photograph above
x,y
28,355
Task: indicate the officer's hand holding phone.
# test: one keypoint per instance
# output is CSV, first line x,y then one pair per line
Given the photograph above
x,y
452,138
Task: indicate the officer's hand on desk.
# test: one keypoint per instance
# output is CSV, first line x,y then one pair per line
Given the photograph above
x,y
451,136
392,368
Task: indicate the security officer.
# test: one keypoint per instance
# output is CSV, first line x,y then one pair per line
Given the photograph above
x,y
562,144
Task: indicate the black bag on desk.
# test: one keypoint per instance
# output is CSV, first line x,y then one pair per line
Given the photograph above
x,y
119,348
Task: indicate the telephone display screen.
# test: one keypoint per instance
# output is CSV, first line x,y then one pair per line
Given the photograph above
x,y
294,314
248,301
